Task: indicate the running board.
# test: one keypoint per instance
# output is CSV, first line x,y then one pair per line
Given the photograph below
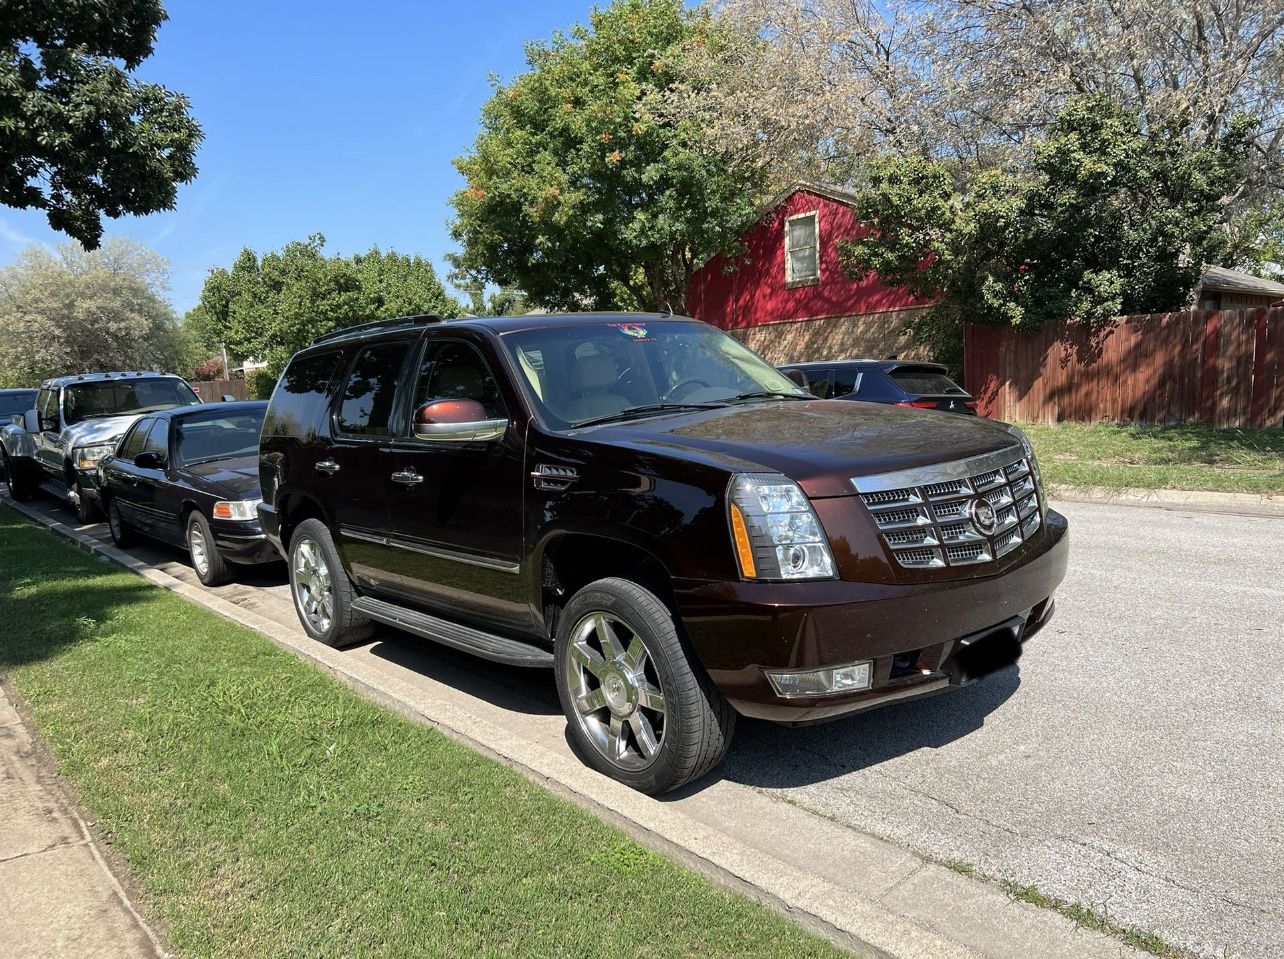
x,y
500,649
57,491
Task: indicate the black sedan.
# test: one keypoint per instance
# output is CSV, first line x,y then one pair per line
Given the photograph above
x,y
924,386
190,476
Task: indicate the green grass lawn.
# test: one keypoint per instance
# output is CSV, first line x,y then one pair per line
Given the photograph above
x,y
267,810
1188,457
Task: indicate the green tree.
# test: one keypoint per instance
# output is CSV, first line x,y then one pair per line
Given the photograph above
x,y
79,137
580,190
269,306
1104,220
75,312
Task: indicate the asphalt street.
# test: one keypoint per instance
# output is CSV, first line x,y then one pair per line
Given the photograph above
x,y
1132,761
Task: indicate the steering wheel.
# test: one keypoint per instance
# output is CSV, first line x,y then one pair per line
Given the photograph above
x,y
672,393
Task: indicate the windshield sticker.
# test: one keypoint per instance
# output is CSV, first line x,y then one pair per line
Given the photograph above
x,y
635,330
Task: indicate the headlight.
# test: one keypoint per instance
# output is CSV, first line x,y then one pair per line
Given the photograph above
x,y
776,533
239,509
87,457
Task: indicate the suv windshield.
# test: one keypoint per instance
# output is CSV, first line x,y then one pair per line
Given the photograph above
x,y
585,373
217,435
83,401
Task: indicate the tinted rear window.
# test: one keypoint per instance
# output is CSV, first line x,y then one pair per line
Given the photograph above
x,y
300,394
925,382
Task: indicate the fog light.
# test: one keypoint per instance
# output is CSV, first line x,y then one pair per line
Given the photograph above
x,y
830,681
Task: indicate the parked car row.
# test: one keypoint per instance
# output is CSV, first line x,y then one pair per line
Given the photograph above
x,y
676,529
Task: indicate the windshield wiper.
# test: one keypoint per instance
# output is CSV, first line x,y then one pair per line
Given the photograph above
x,y
771,394
632,411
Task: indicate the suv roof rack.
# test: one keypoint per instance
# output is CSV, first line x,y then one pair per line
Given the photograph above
x,y
414,320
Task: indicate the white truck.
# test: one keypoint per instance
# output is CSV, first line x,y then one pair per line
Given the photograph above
x,y
76,422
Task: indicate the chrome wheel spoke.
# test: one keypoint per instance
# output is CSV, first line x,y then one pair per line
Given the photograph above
x,y
591,701
611,647
635,656
644,734
615,740
649,697
588,659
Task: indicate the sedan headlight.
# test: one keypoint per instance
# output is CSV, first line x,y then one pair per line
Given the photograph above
x,y
776,533
238,509
87,457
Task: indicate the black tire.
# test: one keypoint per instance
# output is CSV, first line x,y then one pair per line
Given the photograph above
x,y
696,722
84,506
122,534
311,546
211,568
20,486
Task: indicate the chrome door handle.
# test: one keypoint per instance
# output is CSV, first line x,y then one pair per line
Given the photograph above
x,y
408,477
328,467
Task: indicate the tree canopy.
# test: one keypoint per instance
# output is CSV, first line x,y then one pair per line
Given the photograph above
x,y
1105,220
581,190
71,311
269,306
80,138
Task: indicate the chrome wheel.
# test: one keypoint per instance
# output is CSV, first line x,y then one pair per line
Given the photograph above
x,y
197,546
113,520
619,703
313,591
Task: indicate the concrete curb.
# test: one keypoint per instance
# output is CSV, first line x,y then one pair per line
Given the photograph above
x,y
893,906
1248,504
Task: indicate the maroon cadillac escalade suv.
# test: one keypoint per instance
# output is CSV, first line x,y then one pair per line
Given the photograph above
x,y
647,507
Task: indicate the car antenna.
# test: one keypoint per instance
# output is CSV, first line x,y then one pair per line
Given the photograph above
x,y
668,311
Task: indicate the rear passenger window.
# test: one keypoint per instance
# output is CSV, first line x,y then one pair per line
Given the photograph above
x,y
845,382
366,404
300,394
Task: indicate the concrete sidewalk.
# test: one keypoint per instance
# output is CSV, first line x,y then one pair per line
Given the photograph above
x,y
57,896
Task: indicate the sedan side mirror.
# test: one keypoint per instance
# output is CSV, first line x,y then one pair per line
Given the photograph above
x,y
149,460
457,421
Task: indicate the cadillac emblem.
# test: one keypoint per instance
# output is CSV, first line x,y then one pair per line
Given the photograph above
x,y
983,517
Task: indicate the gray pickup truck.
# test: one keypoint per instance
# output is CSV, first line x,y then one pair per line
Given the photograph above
x,y
76,422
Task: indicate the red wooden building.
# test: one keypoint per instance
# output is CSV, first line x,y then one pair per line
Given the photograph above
x,y
789,298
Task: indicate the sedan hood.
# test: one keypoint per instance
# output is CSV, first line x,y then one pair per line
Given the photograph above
x,y
102,429
233,478
821,444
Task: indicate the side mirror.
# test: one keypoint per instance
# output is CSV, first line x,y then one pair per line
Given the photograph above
x,y
457,421
31,421
149,460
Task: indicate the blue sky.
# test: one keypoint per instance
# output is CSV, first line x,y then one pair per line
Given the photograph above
x,y
322,117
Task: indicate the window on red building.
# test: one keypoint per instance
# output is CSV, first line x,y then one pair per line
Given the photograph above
x,y
802,249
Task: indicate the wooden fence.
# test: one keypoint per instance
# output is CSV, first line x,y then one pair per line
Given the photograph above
x,y
1221,367
211,391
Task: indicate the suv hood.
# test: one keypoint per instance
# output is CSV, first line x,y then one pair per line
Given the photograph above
x,y
820,444
97,430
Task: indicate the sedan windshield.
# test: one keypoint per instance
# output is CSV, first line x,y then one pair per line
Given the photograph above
x,y
83,401
581,374
206,437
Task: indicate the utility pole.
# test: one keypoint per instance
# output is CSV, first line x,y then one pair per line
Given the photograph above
x,y
226,375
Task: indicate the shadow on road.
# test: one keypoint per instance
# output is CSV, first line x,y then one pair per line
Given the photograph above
x,y
778,757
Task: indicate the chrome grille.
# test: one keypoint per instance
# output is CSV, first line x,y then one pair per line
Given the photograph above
x,y
925,515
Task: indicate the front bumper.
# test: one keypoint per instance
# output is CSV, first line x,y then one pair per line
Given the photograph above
x,y
243,543
88,483
913,634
